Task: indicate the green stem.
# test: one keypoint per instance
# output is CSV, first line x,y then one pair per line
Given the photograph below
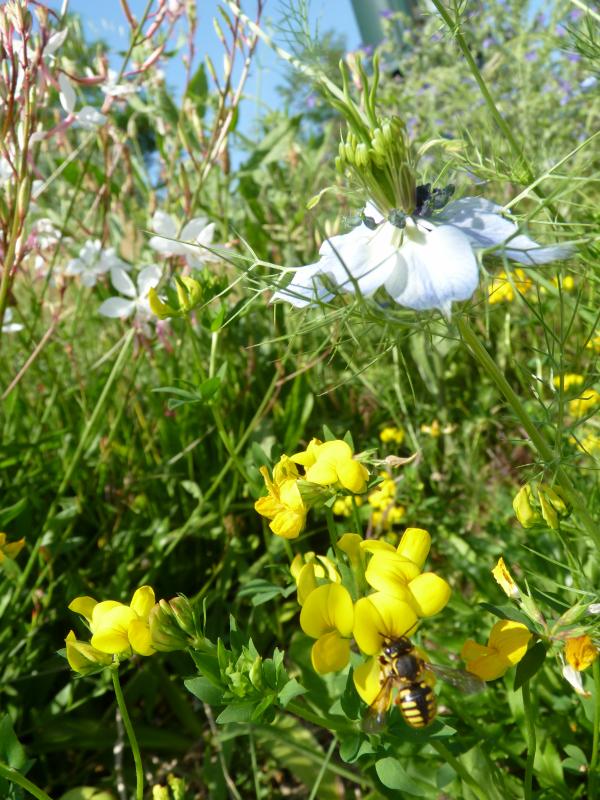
x,y
531,743
15,777
460,770
137,758
331,529
320,720
596,736
537,438
324,765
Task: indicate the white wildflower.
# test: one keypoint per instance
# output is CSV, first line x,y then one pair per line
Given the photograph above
x,y
137,297
93,262
196,235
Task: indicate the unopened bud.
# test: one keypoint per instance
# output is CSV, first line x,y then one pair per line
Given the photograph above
x,y
172,625
523,508
362,155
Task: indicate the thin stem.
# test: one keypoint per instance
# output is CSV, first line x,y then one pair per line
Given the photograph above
x,y
331,529
324,765
537,438
137,758
15,777
596,735
531,743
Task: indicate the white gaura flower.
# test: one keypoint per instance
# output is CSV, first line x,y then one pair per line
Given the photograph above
x,y
93,262
423,262
88,117
137,297
8,326
197,231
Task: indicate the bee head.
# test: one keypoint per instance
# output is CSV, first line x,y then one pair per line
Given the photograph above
x,y
394,648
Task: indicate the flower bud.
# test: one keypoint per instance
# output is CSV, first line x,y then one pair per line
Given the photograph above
x,y
83,658
526,514
172,625
553,506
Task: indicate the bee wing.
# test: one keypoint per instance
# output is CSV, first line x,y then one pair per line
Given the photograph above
x,y
376,715
459,678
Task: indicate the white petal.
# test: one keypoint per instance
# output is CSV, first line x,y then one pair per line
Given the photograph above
x,y
362,257
116,307
89,118
482,222
441,268
122,282
148,279
371,211
55,41
206,235
67,96
574,678
12,327
89,278
164,224
305,287
193,229
74,267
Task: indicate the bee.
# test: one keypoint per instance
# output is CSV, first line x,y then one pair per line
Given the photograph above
x,y
402,668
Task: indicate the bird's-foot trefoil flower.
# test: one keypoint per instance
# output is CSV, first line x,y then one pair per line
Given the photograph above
x,y
10,549
505,580
332,464
283,505
580,653
309,571
328,616
118,629
507,644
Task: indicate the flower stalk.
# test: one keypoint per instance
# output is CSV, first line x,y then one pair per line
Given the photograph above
x,y
536,437
137,758
531,740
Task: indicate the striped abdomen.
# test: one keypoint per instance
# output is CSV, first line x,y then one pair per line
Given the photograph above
x,y
417,704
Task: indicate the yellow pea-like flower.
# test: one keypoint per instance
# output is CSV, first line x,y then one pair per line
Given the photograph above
x,y
328,616
506,646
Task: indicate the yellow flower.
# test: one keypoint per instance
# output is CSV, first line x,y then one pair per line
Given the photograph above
x,y
310,569
283,505
594,343
588,444
367,677
10,549
116,628
343,506
580,652
502,289
433,430
569,380
391,434
328,616
506,646
380,617
585,403
332,464
84,658
505,580
384,494
567,285
350,544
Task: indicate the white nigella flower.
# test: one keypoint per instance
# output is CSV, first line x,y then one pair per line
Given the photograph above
x,y
93,262
424,261
197,230
137,298
8,326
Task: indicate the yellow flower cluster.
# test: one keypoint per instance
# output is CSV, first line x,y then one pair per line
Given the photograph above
x,y
502,288
385,512
392,435
395,595
330,467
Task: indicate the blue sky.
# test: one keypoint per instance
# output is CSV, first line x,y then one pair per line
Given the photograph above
x,y
105,20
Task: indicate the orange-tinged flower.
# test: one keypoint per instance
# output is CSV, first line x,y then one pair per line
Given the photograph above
x,y
506,646
505,580
580,652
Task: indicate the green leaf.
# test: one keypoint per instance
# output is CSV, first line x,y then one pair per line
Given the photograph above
x,y
197,89
241,712
529,665
393,775
204,690
508,612
11,512
11,750
290,690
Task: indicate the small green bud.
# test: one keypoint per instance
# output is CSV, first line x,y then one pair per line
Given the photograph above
x,y
255,673
362,155
160,793
349,152
177,786
171,625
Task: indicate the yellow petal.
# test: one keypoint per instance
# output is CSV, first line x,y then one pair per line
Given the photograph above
x,y
268,506
373,545
336,450
504,579
580,652
430,593
350,544
82,657
391,573
367,680
380,617
472,650
100,610
323,473
288,524
353,475
330,653
139,637
84,606
325,609
489,667
325,568
510,639
298,564
415,544
111,627
111,640
12,549
290,496
143,601
306,582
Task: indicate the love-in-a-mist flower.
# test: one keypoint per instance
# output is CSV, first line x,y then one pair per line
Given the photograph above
x,y
328,616
507,644
397,572
310,570
195,237
580,653
119,629
137,301
283,505
332,464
